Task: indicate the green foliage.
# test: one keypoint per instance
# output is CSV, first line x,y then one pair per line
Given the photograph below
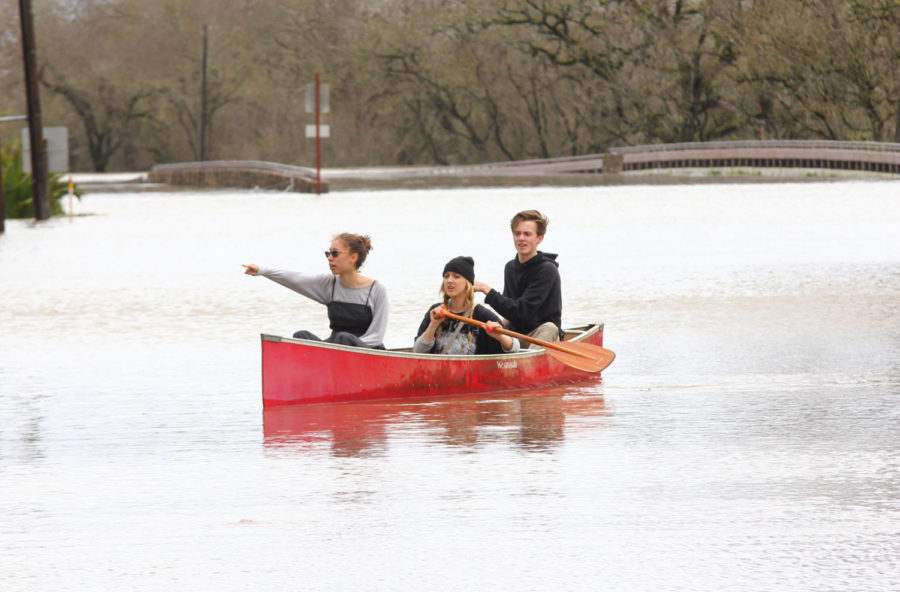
x,y
17,190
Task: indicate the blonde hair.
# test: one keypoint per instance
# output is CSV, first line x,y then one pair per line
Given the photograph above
x,y
470,306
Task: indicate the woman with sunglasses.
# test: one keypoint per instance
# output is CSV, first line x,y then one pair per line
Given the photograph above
x,y
440,335
357,305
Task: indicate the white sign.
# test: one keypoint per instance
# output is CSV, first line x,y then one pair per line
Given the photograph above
x,y
57,149
324,131
311,98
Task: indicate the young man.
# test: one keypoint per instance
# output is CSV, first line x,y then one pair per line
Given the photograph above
x,y
531,300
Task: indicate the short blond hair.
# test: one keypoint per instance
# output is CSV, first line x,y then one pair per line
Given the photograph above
x,y
531,216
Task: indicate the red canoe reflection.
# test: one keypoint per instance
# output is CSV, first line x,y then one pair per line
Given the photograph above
x,y
529,419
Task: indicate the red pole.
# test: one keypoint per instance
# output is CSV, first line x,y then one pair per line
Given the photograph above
x,y
318,143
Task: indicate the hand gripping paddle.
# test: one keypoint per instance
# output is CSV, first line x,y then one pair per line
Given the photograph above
x,y
583,356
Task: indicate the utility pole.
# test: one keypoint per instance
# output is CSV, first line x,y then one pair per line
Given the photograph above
x,y
35,124
203,94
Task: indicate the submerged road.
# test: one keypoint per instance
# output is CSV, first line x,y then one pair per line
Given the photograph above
x,y
864,157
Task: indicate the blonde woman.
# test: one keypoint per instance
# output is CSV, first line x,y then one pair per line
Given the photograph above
x,y
440,335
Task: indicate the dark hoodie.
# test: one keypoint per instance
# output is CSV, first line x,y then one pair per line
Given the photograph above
x,y
531,293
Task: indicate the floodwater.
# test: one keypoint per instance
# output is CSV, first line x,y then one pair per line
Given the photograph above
x,y
747,436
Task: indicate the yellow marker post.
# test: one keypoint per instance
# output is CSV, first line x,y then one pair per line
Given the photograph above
x,y
71,193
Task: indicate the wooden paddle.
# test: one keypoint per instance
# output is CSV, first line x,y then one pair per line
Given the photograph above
x,y
583,356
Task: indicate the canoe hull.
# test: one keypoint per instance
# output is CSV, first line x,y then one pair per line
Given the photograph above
x,y
297,371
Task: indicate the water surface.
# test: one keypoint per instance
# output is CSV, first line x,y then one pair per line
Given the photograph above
x,y
746,437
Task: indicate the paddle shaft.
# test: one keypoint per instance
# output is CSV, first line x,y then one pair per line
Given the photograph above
x,y
501,330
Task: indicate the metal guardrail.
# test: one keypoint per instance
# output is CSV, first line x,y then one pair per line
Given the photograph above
x,y
257,165
529,163
238,173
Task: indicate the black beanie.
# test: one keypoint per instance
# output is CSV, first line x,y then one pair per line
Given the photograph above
x,y
464,266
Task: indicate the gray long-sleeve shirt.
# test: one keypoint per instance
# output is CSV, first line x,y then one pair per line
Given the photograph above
x,y
318,287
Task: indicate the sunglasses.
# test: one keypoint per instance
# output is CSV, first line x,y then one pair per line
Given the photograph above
x,y
333,253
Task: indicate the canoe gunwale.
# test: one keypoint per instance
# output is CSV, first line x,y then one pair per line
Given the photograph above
x,y
582,332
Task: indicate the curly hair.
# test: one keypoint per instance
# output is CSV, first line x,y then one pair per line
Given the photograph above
x,y
360,244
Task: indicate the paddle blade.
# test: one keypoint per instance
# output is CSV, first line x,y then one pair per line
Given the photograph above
x,y
583,356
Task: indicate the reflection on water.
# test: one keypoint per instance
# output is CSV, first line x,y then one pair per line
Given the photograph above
x,y
22,433
532,421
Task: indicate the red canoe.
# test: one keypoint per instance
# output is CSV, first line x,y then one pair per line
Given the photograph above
x,y
299,371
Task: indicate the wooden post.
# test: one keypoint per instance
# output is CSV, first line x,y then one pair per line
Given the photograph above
x,y
613,163
897,125
35,123
318,142
203,94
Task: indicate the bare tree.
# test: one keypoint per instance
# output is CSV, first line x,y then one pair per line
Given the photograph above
x,y
455,81
830,68
106,113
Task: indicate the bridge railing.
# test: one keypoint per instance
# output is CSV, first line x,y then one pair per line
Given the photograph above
x,y
594,162
724,145
882,157
829,154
